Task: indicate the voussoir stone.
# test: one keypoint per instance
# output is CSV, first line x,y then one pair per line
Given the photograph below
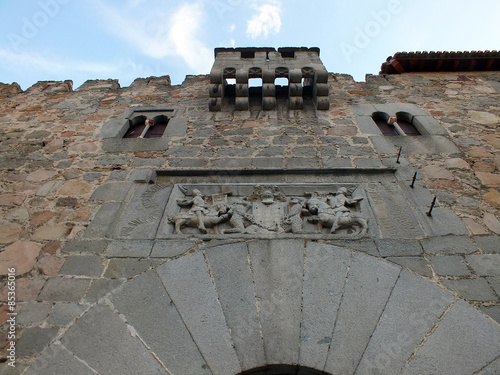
x,y
20,255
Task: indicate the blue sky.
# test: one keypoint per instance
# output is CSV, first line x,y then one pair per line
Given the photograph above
x,y
126,39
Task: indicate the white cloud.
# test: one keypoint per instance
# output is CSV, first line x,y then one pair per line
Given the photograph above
x,y
267,21
163,35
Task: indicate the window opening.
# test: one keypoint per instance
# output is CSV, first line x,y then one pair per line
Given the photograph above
x,y
247,54
157,127
137,126
405,122
307,82
382,121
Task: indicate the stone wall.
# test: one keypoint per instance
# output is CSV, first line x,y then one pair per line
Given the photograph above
x,y
52,161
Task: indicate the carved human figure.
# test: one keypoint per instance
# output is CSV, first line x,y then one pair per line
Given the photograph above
x,y
238,212
199,208
294,218
339,203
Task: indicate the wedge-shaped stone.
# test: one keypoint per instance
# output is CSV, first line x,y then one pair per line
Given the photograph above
x,y
414,307
56,360
324,279
159,324
277,270
103,341
368,287
233,280
464,342
190,286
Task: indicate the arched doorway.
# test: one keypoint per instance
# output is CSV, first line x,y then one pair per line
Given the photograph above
x,y
283,370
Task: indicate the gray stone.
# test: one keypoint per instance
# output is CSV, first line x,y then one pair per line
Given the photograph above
x,y
366,246
82,265
187,163
115,191
367,163
448,245
268,163
492,369
126,268
418,265
485,264
414,306
113,160
129,248
463,343
398,247
489,244
471,289
443,222
324,279
277,269
34,340
142,175
231,163
63,289
382,144
93,176
171,248
100,287
450,265
233,282
94,247
94,337
32,313
64,313
302,163
272,151
495,283
369,284
118,175
57,360
337,162
492,311
355,151
101,224
159,324
190,287
145,162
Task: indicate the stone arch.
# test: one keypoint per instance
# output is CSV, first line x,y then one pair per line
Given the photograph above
x,y
232,308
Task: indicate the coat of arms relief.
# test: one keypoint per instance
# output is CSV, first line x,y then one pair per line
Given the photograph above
x,y
266,210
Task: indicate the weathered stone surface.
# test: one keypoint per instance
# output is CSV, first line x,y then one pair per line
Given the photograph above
x,y
324,280
74,188
126,268
95,335
40,175
11,200
82,265
277,270
115,191
457,163
485,264
34,340
493,197
463,343
450,265
31,313
57,360
94,247
418,265
484,118
63,289
50,233
10,233
369,284
26,289
414,307
433,171
190,286
167,334
471,289
233,282
64,313
448,245
489,179
101,287
488,244
49,265
398,247
129,248
474,227
20,255
171,248
102,224
491,221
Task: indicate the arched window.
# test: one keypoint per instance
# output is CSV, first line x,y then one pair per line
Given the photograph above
x,y
137,126
307,81
382,121
406,123
283,370
158,127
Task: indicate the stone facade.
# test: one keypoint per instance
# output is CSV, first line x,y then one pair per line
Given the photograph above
x,y
85,222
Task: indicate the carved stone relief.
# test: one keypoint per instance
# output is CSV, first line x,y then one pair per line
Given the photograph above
x,y
265,210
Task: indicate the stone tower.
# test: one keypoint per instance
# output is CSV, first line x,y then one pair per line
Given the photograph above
x,y
267,218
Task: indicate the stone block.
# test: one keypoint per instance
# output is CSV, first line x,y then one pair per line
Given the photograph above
x,y
126,268
57,360
495,283
443,222
63,289
488,244
82,265
129,248
369,284
233,282
471,289
190,287
101,224
448,245
101,287
93,247
416,264
368,163
34,340
485,264
366,245
277,272
115,191
95,335
64,313
494,313
450,265
355,151
171,248
454,347
324,280
21,255
33,313
413,309
398,247
157,330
